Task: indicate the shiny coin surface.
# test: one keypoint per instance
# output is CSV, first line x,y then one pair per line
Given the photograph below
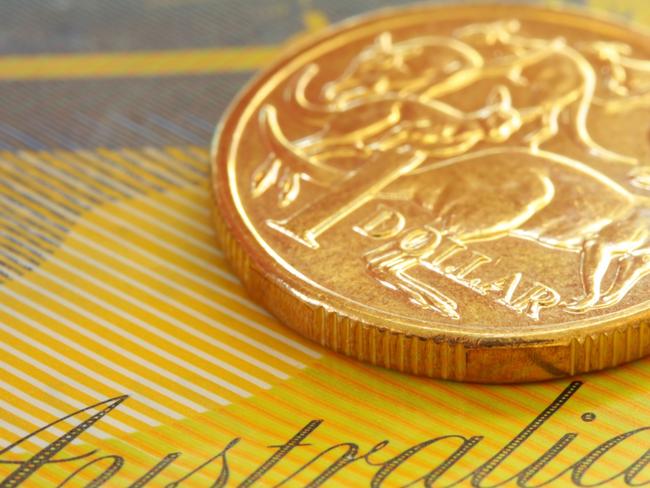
x,y
459,192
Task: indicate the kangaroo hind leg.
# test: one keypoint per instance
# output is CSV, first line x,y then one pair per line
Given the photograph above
x,y
616,240
631,270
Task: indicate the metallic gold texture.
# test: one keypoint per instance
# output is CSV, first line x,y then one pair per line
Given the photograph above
x,y
460,192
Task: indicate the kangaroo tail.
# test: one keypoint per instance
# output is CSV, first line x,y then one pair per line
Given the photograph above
x,y
289,154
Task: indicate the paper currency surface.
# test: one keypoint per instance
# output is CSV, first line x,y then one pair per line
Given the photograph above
x,y
131,356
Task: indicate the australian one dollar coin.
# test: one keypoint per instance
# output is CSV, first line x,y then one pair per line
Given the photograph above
x,y
461,192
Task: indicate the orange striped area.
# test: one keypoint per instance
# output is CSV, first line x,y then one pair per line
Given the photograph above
x,y
136,300
361,406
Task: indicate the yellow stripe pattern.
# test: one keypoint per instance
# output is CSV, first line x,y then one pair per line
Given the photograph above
x,y
132,64
112,285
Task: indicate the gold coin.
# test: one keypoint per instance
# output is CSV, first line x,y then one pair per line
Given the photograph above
x,y
460,192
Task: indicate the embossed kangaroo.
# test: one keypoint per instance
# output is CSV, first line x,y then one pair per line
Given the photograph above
x,y
544,78
481,173
511,191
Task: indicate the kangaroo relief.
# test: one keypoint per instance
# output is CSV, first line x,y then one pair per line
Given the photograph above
x,y
519,163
